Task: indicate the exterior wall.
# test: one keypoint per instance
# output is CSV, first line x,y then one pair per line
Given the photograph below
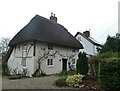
x,y
61,52
89,48
14,62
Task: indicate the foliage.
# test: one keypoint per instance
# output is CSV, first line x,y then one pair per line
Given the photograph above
x,y
67,73
112,44
14,77
61,81
17,74
95,60
94,65
3,51
4,45
74,80
109,75
82,64
43,54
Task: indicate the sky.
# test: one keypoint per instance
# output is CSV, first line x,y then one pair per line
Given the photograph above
x,y
100,17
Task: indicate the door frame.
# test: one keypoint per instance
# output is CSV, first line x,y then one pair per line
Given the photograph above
x,y
64,64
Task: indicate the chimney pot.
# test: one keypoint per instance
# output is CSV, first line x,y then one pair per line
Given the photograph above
x,y
53,18
51,13
86,33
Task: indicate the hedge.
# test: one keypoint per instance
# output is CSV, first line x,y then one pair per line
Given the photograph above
x,y
109,74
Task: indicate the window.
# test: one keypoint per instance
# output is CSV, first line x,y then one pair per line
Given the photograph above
x,y
73,50
49,62
79,38
50,47
23,62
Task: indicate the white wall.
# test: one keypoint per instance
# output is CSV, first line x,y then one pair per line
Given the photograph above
x,y
57,60
89,48
14,62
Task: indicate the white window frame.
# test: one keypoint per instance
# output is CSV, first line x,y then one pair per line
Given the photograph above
x,y
73,50
50,47
23,63
50,62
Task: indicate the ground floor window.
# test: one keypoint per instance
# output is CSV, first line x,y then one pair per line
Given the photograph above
x,y
23,62
50,62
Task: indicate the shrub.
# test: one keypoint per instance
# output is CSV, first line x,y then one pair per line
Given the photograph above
x,y
14,77
95,60
67,73
74,81
82,64
61,82
94,65
109,75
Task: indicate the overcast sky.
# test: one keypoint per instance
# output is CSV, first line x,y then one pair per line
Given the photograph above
x,y
100,16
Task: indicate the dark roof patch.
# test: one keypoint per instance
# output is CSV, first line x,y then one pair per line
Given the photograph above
x,y
42,29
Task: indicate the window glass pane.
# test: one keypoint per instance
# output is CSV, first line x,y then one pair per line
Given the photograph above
x,y
50,62
23,62
50,47
79,38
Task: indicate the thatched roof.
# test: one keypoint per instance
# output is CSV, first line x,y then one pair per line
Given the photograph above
x,y
42,29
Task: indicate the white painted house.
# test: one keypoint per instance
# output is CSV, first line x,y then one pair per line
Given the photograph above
x,y
90,45
45,42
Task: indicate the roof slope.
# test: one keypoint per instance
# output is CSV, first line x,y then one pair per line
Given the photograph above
x,y
90,39
42,29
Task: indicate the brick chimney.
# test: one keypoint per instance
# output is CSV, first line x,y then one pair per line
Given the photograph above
x,y
53,18
86,33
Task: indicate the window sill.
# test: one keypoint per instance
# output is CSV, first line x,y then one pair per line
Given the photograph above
x,y
50,66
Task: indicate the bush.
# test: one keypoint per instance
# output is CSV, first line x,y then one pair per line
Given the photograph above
x,y
95,60
94,65
61,82
74,81
109,75
14,77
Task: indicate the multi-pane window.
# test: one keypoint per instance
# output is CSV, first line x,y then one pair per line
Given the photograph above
x,y
24,54
23,62
79,38
50,47
49,62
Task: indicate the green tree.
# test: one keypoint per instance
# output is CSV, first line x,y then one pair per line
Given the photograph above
x,y
78,62
112,44
82,64
3,51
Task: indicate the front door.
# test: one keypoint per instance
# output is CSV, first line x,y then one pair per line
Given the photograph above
x,y
64,65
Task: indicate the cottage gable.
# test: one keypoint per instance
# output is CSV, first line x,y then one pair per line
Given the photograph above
x,y
90,45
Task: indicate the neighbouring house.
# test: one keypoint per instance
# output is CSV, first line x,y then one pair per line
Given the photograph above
x,y
44,44
90,45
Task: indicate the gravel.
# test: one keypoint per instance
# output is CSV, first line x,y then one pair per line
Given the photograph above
x,y
46,82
